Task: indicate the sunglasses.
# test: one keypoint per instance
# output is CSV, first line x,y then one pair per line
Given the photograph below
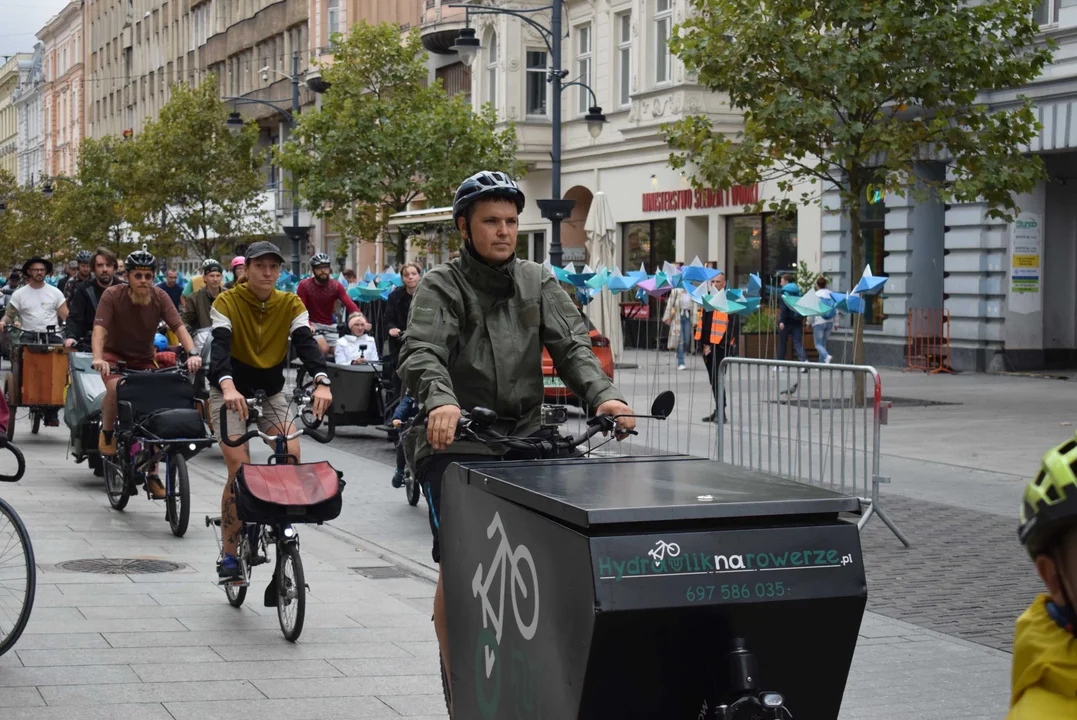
x,y
141,276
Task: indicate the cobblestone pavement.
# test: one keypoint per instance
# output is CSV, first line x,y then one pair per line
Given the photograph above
x,y
965,575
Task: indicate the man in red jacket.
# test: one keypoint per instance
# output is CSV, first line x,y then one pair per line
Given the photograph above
x,y
320,294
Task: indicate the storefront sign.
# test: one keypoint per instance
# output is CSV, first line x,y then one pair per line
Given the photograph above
x,y
701,199
1026,242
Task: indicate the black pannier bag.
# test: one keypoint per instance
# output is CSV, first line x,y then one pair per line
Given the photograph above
x,y
304,493
163,404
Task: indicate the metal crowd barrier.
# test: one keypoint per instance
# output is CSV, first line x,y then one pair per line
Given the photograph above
x,y
802,421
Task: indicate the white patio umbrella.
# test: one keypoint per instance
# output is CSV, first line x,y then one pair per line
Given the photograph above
x,y
604,310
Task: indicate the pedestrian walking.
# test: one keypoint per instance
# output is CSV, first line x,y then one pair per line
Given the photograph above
x,y
790,323
719,335
823,325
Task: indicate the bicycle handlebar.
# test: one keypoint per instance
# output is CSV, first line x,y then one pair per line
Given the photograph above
x,y
19,459
255,404
476,426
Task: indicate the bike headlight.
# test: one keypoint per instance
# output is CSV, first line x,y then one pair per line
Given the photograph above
x,y
193,447
290,533
772,700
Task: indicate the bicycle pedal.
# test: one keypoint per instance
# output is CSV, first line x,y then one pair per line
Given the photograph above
x,y
258,560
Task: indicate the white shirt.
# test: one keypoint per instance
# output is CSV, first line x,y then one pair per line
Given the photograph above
x,y
348,349
38,307
823,294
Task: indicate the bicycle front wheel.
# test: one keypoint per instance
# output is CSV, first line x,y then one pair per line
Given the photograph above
x,y
116,485
18,577
179,495
291,591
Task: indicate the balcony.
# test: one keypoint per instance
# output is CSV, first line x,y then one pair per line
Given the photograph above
x,y
440,25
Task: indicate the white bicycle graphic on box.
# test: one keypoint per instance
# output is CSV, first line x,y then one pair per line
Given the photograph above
x,y
661,548
506,556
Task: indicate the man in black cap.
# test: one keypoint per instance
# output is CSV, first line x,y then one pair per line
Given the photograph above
x,y
39,307
252,324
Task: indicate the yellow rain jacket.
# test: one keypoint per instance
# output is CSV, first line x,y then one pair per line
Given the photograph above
x,y
1044,667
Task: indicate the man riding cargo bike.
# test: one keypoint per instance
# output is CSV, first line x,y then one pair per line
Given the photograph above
x,y
476,331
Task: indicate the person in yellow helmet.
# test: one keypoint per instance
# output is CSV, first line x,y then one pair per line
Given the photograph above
x,y
1044,683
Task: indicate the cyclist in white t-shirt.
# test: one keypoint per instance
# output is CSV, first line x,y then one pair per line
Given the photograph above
x,y
37,305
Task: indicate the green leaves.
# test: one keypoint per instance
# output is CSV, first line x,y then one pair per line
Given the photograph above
x,y
188,184
841,86
383,137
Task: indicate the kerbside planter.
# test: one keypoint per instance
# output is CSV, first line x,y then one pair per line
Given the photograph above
x,y
613,588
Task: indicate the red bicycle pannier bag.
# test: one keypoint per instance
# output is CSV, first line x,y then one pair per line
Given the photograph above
x,y
305,493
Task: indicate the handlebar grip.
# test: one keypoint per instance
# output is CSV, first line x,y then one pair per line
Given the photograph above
x,y
222,431
19,459
330,430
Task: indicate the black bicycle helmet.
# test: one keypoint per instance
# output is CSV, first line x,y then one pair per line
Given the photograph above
x,y
484,186
140,259
318,259
84,256
210,265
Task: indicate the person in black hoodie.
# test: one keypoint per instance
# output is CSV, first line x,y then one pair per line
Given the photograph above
x,y
397,308
83,304
790,323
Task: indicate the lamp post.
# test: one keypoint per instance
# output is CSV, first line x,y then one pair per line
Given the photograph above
x,y
467,46
296,232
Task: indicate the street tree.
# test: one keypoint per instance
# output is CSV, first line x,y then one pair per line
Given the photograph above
x,y
384,137
850,94
30,226
92,208
190,186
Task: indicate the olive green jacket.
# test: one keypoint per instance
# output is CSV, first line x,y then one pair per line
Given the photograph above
x,y
474,339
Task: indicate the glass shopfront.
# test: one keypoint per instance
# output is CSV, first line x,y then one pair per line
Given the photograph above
x,y
650,243
764,244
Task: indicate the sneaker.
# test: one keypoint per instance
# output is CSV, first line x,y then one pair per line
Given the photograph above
x,y
803,371
682,366
829,359
52,418
398,479
156,487
229,569
709,418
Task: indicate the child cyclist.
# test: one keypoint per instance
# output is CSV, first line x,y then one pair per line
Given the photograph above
x,y
1044,645
406,409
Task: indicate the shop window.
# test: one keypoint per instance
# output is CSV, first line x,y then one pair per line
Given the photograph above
x,y
763,244
531,246
649,243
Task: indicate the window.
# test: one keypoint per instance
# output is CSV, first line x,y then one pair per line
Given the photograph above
x,y
624,59
649,244
663,26
583,66
536,82
763,244
333,23
1046,12
491,70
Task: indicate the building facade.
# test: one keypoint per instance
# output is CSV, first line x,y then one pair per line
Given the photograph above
x,y
620,49
9,122
63,89
1008,288
29,103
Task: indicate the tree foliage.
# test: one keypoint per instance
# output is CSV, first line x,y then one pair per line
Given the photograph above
x,y
189,185
850,93
383,137
28,225
92,209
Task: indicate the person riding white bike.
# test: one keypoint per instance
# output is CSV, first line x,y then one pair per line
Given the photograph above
x,y
252,324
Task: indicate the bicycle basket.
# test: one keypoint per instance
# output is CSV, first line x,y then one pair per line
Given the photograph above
x,y
305,493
